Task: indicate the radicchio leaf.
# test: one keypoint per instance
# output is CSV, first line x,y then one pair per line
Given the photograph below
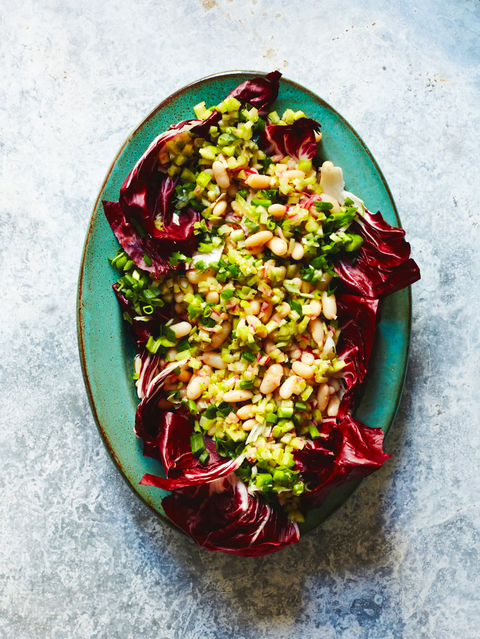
x,y
167,438
382,265
346,451
296,140
224,517
261,92
358,320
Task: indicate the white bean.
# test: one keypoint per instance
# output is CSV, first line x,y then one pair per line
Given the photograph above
x,y
249,424
232,190
293,174
212,297
219,208
269,346
195,277
333,406
287,389
220,337
283,310
181,329
278,246
334,383
277,210
214,360
323,397
329,304
298,251
304,370
266,312
220,174
258,239
237,396
254,307
256,181
308,358
318,334
271,380
245,412
314,309
184,376
194,388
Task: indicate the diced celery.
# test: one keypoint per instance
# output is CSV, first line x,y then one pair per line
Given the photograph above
x,y
274,117
305,166
203,179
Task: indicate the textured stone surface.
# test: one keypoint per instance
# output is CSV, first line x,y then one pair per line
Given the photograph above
x,y
80,556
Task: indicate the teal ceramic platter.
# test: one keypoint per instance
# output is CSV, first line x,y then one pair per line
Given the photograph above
x,y
106,349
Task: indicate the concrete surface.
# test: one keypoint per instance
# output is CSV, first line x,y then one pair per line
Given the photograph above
x,y
80,556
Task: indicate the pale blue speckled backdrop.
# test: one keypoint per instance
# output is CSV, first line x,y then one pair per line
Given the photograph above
x,y
80,556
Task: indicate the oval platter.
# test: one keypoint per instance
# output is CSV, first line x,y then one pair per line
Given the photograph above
x,y
106,350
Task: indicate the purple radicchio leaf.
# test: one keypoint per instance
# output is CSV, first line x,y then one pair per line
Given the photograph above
x,y
346,450
382,265
296,140
358,317
224,517
167,436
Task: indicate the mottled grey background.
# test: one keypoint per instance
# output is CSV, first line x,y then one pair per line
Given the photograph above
x,y
80,556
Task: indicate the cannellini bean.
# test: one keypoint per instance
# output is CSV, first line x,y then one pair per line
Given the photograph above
x,y
333,406
220,174
219,208
318,137
181,329
323,396
314,308
265,312
297,281
214,360
295,353
184,376
293,174
308,358
298,251
179,309
258,239
272,378
304,370
232,190
277,246
329,305
318,334
211,431
306,287
249,424
269,346
254,307
334,383
195,277
256,181
287,389
194,388
219,338
212,297
237,396
282,311
277,210
245,412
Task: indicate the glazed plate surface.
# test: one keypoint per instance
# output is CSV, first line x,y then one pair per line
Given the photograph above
x,y
106,349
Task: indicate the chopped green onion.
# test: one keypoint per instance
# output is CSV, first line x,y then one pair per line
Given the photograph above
x,y
313,430
147,260
271,418
261,202
300,406
247,385
197,443
192,406
203,457
250,357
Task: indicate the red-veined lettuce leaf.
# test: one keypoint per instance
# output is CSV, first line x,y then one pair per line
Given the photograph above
x,y
224,517
296,140
382,265
346,450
